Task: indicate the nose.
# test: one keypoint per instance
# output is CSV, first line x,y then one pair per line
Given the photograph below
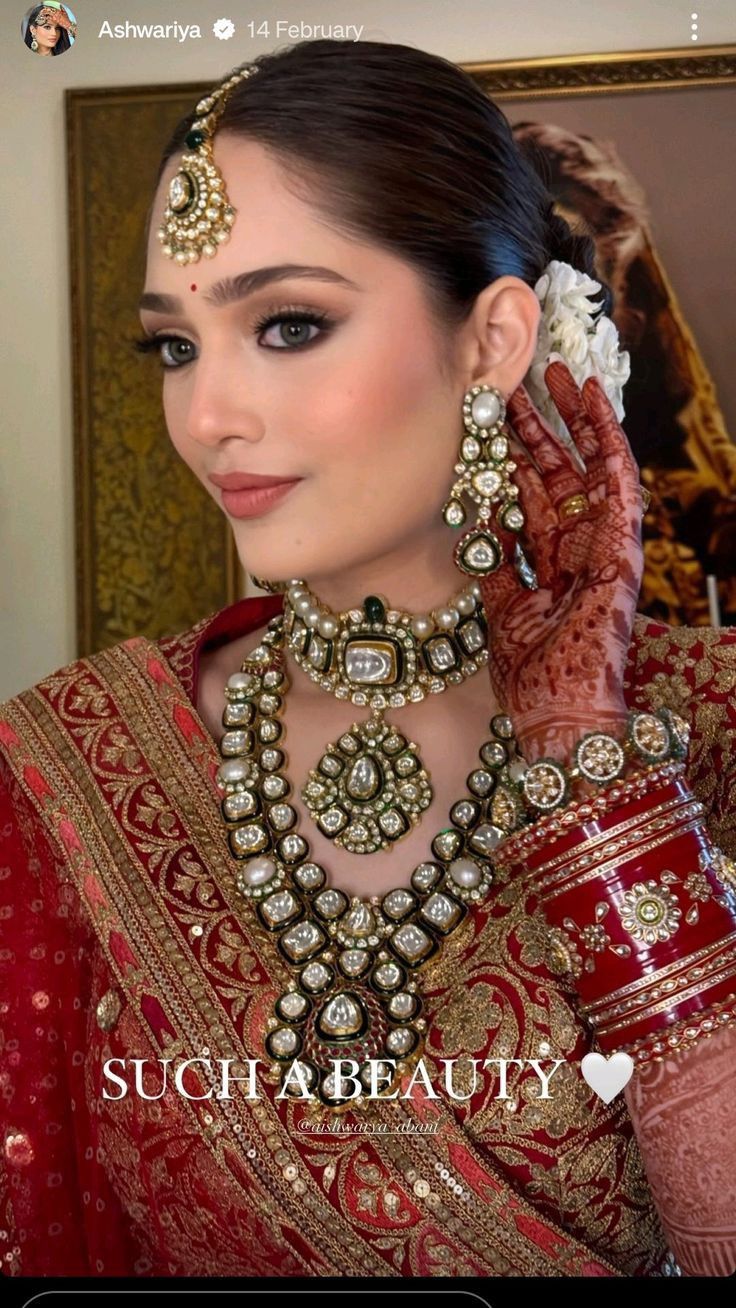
x,y
219,405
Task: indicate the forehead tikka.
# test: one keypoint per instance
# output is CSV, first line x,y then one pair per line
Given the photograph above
x,y
198,214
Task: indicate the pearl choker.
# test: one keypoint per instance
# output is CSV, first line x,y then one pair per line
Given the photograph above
x,y
370,786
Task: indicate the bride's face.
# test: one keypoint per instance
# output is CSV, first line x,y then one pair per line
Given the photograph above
x,y
356,406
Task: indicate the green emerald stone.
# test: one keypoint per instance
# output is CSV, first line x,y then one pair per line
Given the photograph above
x,y
373,609
194,138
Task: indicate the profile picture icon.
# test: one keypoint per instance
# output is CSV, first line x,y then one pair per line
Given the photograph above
x,y
49,29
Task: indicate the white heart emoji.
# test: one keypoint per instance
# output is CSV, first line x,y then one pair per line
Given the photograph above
x,y
607,1076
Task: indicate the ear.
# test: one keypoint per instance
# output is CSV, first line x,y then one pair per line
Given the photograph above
x,y
502,334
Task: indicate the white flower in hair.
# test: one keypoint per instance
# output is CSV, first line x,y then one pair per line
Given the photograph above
x,y
574,330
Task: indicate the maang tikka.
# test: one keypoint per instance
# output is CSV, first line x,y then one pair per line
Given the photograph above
x,y
198,214
484,472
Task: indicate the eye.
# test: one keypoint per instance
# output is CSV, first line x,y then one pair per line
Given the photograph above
x,y
296,320
173,351
176,351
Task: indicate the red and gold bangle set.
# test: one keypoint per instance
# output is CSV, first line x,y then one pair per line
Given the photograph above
x,y
640,909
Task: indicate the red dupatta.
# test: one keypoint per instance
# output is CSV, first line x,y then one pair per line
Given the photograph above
x,y
122,937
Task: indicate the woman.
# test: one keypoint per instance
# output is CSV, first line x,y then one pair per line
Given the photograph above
x,y
181,888
48,30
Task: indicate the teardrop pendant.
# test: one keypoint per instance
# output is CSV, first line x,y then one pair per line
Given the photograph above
x,y
369,788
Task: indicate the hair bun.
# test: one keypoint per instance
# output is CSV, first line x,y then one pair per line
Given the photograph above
x,y
577,249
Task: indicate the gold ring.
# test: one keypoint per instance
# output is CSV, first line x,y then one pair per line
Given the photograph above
x,y
646,497
575,504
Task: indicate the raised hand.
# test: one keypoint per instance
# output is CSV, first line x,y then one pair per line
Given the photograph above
x,y
557,654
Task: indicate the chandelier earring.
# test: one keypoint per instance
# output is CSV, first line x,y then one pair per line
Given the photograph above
x,y
484,473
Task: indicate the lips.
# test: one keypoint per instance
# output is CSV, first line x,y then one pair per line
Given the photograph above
x,y
235,481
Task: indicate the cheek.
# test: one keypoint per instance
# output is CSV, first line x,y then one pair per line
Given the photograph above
x,y
175,406
381,404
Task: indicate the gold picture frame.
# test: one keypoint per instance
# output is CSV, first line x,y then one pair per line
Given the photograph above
x,y
153,551
606,74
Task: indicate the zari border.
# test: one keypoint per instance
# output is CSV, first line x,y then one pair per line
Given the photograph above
x,y
91,810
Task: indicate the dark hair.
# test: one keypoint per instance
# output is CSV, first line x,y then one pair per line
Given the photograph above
x,y
403,149
64,41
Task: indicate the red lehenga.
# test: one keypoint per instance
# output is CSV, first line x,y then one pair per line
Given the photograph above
x,y
122,936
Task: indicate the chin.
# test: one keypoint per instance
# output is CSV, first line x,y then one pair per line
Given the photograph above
x,y
271,565
290,561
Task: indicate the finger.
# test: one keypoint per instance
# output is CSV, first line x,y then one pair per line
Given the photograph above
x,y
499,587
623,507
542,518
533,489
611,436
534,431
572,409
563,478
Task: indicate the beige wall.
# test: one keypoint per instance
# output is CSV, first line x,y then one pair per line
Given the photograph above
x,y
37,591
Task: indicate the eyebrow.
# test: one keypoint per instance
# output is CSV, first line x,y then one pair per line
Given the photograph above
x,y
231,289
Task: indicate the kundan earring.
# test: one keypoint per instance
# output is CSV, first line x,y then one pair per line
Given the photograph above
x,y
484,472
34,44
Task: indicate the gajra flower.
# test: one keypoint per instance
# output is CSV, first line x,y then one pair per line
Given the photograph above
x,y
574,330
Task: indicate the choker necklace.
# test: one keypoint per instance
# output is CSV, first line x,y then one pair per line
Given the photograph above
x,y
355,963
370,786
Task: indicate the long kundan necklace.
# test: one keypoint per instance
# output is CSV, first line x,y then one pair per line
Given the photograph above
x,y
355,963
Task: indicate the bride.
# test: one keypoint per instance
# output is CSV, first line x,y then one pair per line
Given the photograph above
x,y
431,799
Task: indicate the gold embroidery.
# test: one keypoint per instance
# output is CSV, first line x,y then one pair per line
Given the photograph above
x,y
150,835
108,1010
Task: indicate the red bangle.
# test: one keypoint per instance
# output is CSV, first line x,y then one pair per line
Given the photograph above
x,y
641,915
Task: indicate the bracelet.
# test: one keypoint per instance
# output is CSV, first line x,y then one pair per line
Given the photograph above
x,y
650,738
522,843
641,917
525,796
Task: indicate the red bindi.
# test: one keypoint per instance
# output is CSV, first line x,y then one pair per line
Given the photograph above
x,y
193,286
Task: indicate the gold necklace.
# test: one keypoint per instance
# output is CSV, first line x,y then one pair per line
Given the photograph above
x,y
355,993
370,787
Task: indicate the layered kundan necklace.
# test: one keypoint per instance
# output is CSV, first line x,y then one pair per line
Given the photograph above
x,y
355,962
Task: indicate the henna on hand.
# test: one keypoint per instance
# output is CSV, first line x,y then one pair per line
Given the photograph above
x,y
557,654
683,1118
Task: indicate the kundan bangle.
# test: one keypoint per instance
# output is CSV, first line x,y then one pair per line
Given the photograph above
x,y
641,917
601,759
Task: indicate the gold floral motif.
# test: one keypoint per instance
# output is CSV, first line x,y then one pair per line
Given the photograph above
x,y
550,947
650,912
466,1021
698,886
596,1187
108,1010
724,868
562,954
594,938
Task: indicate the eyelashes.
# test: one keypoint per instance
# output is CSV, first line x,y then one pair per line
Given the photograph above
x,y
163,344
155,345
